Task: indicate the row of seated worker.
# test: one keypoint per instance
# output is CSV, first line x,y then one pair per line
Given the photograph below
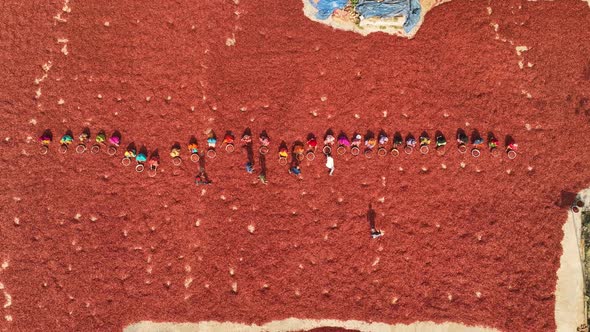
x,y
382,143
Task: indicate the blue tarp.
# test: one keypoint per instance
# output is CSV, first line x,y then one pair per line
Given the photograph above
x,y
327,7
389,8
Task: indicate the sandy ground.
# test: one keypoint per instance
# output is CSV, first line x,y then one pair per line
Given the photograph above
x,y
293,324
89,245
569,295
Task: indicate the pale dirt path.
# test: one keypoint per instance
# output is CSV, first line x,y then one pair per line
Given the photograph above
x,y
569,295
293,324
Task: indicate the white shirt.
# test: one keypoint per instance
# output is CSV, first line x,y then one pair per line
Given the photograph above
x,y
330,162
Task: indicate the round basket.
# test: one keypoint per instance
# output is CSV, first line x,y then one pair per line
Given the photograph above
x,y
211,153
80,148
511,154
152,172
394,152
139,168
112,150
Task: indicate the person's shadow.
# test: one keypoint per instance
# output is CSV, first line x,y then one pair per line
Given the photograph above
x,y
371,214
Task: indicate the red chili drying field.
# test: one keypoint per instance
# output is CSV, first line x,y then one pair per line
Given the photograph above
x,y
90,245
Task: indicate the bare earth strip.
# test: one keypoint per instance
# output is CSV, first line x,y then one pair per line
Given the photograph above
x,y
294,324
569,296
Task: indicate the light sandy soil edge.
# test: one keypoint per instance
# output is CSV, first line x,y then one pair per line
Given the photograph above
x,y
293,324
569,295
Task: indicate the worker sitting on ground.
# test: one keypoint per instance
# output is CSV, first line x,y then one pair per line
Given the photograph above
x,y
343,140
45,139
115,140
329,140
211,140
370,143
383,139
283,153
312,143
298,149
175,152
228,139
462,139
141,158
411,141
246,139
512,146
83,138
264,139
356,140
154,162
397,141
193,148
100,137
424,140
130,153
440,141
66,139
493,143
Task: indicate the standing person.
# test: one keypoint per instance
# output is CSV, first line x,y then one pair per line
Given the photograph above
x,y
330,164
201,177
294,167
247,144
371,214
